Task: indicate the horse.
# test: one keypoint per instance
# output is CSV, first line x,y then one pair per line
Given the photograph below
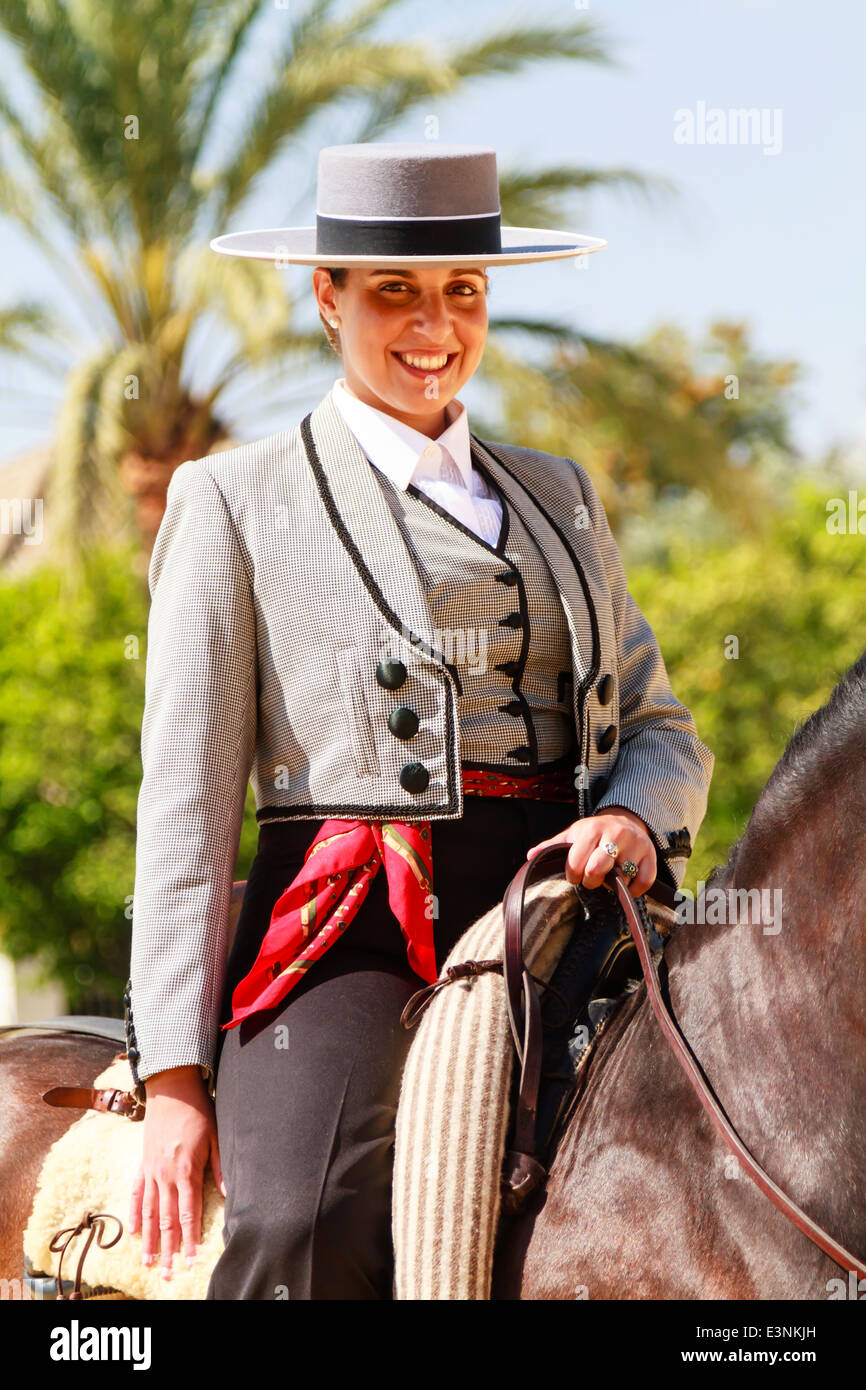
x,y
642,1199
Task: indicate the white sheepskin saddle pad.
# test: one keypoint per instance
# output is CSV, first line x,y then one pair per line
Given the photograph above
x,y
92,1168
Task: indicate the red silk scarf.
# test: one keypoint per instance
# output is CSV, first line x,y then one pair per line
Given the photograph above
x,y
339,867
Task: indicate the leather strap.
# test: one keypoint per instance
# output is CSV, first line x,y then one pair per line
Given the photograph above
x,y
617,881
112,1102
94,1224
522,1172
421,998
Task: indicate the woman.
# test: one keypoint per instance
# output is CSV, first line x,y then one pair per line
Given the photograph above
x,y
422,650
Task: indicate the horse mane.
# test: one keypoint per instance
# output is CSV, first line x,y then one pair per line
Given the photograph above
x,y
823,749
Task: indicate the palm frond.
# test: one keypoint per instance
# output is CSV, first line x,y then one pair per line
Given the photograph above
x,y
505,51
533,197
510,49
217,64
84,491
25,326
251,298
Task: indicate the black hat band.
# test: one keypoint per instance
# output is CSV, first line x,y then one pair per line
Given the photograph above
x,y
436,236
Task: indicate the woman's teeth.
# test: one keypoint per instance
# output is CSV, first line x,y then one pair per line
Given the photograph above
x,y
423,361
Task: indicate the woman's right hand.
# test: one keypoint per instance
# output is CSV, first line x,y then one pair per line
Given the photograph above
x,y
180,1138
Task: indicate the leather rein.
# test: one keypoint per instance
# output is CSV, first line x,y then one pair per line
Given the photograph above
x,y
522,1170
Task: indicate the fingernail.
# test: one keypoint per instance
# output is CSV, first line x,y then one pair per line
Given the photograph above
x,y
148,1259
190,1261
166,1272
223,1189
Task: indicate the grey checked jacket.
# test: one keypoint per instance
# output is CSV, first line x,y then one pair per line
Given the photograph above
x,y
280,583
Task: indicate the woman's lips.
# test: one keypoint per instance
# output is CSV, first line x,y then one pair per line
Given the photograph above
x,y
426,371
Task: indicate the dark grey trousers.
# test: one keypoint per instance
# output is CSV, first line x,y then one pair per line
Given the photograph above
x,y
307,1092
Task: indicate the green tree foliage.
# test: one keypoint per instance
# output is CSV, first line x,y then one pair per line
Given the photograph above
x,y
71,701
666,414
793,600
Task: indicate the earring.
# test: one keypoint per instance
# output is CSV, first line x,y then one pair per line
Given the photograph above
x,y
333,322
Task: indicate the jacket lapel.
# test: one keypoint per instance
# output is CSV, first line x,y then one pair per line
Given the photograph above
x,y
365,524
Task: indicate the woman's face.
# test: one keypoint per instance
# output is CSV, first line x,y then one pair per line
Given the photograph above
x,y
386,316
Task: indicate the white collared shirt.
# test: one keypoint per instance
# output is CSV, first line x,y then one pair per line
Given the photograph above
x,y
407,456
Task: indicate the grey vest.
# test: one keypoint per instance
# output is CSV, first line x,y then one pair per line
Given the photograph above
x,y
501,627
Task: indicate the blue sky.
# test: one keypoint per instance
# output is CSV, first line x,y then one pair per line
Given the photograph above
x,y
772,238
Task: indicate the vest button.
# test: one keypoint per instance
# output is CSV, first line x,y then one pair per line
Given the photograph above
x,y
391,674
524,753
506,576
604,690
414,777
513,620
133,1054
403,722
606,739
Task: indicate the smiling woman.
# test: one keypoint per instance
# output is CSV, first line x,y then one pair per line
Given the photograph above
x,y
302,586
395,328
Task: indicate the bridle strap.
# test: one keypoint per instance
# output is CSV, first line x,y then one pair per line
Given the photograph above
x,y
617,881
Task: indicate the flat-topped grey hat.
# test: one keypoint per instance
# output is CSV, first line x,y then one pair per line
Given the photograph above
x,y
385,203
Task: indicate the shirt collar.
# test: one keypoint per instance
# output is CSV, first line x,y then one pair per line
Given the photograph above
x,y
398,449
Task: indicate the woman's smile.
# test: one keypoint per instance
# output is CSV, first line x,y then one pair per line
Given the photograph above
x,y
425,364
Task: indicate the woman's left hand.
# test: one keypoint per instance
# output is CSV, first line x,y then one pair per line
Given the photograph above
x,y
588,863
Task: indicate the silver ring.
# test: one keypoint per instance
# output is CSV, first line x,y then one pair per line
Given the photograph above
x,y
610,848
629,867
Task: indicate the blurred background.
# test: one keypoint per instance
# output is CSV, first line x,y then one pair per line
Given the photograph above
x,y
707,367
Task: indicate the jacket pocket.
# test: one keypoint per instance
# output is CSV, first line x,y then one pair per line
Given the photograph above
x,y
358,724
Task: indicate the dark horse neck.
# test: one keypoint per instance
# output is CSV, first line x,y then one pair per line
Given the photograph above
x,y
768,988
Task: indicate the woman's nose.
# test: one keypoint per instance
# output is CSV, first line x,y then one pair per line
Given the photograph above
x,y
432,316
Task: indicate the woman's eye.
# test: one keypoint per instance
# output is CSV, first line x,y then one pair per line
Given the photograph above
x,y
395,285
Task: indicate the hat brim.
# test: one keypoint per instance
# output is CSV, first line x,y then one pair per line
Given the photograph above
x,y
297,246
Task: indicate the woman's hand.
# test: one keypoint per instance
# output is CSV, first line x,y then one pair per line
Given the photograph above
x,y
180,1138
588,863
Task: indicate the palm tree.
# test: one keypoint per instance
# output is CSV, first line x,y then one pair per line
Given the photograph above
x,y
131,170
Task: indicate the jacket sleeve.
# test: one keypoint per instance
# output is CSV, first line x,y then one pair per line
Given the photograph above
x,y
663,771
197,745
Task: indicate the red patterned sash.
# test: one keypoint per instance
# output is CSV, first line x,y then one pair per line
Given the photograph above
x,y
339,867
